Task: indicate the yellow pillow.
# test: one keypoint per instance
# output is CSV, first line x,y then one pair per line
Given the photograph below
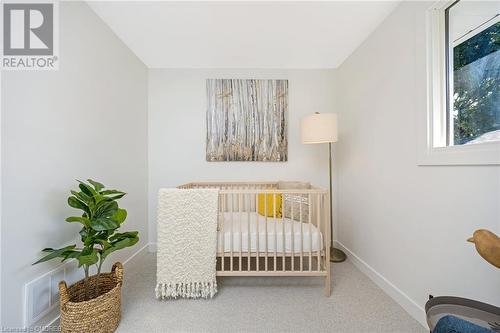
x,y
269,199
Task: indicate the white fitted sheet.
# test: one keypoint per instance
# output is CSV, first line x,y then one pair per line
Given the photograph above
x,y
233,220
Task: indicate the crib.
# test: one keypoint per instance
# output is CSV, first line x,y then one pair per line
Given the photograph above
x,y
267,231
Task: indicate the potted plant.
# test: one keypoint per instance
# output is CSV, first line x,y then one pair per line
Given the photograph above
x,y
93,304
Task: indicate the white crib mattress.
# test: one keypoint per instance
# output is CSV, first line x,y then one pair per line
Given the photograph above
x,y
235,223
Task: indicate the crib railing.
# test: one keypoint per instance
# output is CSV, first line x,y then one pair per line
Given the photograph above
x,y
291,242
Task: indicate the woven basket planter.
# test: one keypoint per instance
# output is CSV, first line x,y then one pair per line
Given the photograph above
x,y
100,313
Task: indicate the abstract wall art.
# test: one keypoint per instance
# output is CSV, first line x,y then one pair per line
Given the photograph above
x,y
246,120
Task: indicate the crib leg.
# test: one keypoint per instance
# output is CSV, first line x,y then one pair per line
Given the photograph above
x,y
328,282
327,286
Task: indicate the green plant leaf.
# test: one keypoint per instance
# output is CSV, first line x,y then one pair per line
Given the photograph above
x,y
83,234
94,237
106,209
70,255
120,215
108,192
75,203
88,190
121,235
82,197
88,241
118,245
83,220
117,196
105,244
89,201
103,223
97,186
88,257
113,194
55,253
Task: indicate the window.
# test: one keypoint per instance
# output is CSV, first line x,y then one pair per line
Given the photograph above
x,y
473,72
460,120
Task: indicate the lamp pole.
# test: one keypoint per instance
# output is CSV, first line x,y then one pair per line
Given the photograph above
x,y
336,255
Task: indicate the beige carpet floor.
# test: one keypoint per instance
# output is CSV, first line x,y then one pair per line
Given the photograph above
x,y
269,304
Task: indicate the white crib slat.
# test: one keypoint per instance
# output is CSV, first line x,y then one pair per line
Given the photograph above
x,y
309,216
257,231
241,232
320,199
301,236
232,232
265,233
310,230
223,230
283,236
275,235
293,236
249,240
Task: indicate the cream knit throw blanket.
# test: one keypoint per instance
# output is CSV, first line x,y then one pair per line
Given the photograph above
x,y
187,243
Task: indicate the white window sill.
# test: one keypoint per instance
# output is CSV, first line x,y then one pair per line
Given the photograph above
x,y
473,154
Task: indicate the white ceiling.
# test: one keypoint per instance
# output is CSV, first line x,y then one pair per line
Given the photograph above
x,y
242,34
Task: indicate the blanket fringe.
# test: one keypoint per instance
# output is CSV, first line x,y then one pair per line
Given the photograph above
x,y
186,290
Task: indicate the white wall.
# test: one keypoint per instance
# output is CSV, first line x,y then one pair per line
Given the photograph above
x,y
89,119
408,223
177,130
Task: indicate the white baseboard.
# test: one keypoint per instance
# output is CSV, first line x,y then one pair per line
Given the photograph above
x,y
409,305
152,247
51,321
146,246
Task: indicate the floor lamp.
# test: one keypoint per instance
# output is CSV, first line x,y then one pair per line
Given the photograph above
x,y
322,128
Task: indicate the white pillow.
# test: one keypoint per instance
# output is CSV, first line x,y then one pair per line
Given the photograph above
x,y
295,200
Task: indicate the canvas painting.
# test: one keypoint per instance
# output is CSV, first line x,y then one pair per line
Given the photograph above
x,y
246,120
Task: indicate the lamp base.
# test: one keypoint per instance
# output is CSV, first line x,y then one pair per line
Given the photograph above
x,y
337,255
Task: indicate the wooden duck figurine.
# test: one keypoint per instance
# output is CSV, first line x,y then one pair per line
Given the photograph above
x,y
487,245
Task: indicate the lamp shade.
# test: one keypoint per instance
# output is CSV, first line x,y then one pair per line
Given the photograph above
x,y
319,128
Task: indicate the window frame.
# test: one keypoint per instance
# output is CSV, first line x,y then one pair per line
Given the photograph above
x,y
449,74
434,133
